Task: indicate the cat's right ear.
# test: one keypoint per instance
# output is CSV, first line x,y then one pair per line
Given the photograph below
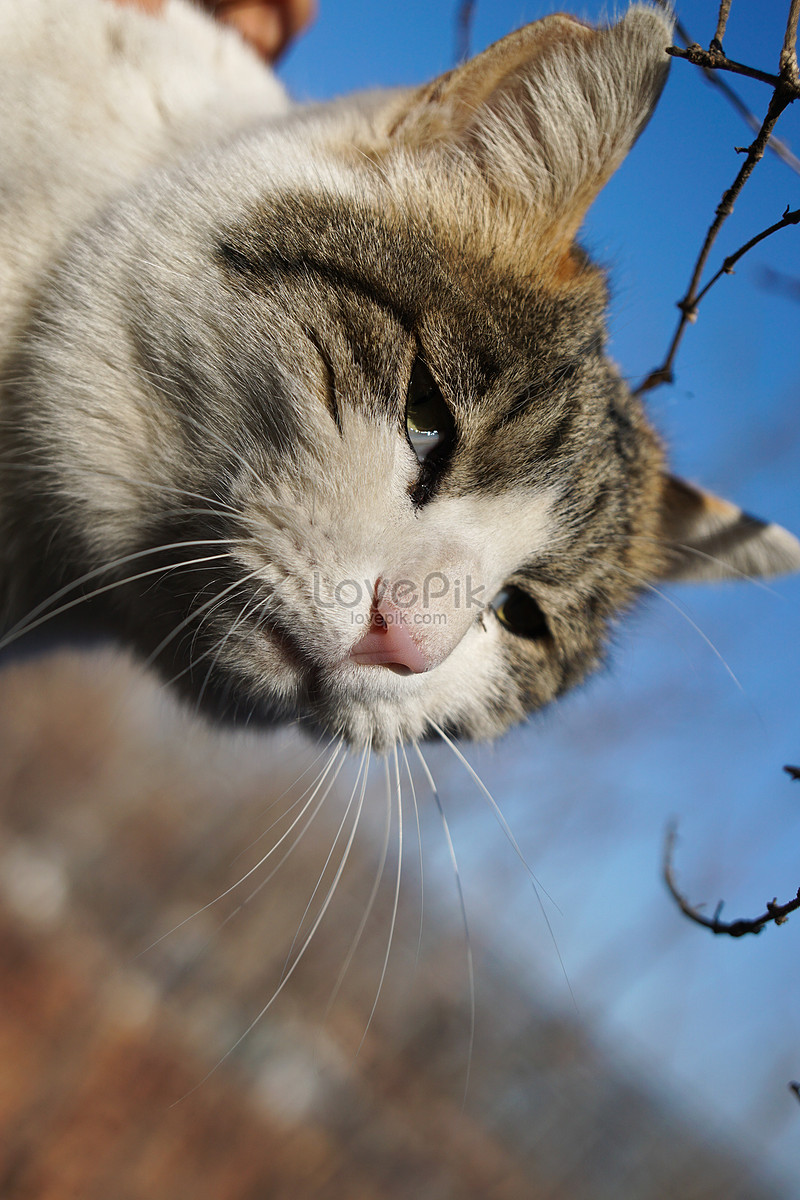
x,y
548,112
707,538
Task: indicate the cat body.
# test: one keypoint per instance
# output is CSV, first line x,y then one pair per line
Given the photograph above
x,y
311,406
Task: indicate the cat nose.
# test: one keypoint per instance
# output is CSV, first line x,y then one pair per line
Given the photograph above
x,y
388,641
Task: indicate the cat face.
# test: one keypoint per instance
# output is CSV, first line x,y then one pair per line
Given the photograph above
x,y
327,419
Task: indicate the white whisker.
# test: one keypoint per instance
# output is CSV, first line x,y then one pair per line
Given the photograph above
x,y
730,569
285,792
21,626
367,911
26,626
265,857
538,889
216,507
290,851
419,844
363,771
464,920
318,884
196,612
504,825
247,609
393,921
215,649
673,604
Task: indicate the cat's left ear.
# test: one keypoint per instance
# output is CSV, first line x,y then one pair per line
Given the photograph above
x,y
710,539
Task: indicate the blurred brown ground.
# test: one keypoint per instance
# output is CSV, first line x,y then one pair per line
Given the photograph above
x,y
119,817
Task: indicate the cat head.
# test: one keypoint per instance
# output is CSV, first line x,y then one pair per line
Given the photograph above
x,y
326,418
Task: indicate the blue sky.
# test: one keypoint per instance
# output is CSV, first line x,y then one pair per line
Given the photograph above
x,y
698,709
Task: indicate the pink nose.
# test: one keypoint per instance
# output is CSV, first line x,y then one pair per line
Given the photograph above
x,y
388,641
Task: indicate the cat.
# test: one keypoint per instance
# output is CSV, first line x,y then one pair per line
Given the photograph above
x,y
311,406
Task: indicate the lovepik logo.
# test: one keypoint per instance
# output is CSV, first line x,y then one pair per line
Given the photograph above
x,y
404,594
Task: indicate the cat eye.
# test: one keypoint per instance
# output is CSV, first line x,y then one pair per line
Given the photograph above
x,y
429,422
520,614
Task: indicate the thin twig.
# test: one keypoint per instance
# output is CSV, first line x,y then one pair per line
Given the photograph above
x,y
776,913
789,218
722,21
464,18
779,283
715,60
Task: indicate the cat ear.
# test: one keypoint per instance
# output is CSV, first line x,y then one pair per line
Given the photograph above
x,y
710,539
550,111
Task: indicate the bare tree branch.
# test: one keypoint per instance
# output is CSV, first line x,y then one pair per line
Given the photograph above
x,y
775,144
776,913
786,89
717,81
789,69
688,305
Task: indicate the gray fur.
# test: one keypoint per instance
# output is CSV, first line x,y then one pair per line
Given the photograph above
x,y
214,357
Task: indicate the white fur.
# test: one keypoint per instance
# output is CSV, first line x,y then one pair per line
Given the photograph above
x,y
92,95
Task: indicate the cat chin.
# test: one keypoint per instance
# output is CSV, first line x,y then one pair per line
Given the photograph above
x,y
377,721
374,706
363,705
